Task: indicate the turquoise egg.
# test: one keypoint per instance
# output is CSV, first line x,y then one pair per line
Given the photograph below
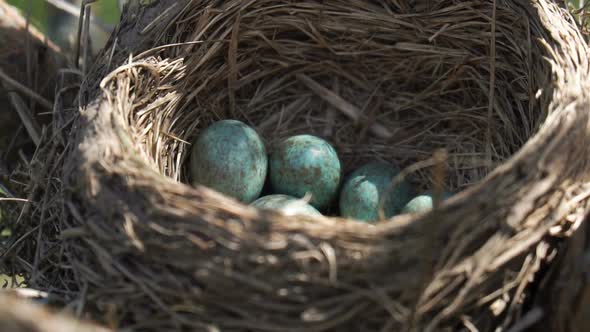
x,y
230,157
364,189
306,164
286,204
422,203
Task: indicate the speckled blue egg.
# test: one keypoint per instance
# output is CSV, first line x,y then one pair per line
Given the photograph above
x,y
230,157
286,204
306,164
422,203
364,189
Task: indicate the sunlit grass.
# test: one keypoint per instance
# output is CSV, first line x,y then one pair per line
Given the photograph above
x,y
579,9
41,11
8,280
108,11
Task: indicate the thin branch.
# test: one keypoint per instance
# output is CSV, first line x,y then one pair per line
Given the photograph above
x,y
26,117
15,85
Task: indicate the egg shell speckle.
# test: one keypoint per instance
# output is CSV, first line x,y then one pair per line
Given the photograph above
x,y
306,164
364,188
230,157
286,204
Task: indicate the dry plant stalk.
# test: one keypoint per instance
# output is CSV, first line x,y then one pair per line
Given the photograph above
x,y
160,255
20,315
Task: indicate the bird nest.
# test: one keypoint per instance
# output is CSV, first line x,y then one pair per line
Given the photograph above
x,y
484,98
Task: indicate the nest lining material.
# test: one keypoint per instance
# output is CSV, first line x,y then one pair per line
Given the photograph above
x,y
376,87
166,256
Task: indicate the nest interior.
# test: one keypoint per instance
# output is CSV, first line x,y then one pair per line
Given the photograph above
x,y
491,82
377,80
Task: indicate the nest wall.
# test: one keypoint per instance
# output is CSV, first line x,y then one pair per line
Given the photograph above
x,y
499,85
